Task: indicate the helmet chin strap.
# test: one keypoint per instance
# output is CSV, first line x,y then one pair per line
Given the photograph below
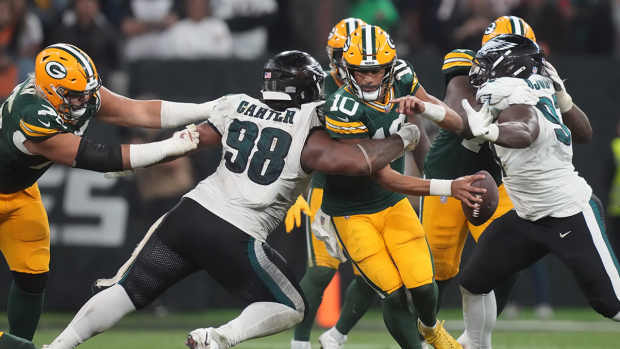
x,y
369,96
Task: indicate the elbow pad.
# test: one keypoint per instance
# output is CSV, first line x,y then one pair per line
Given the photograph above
x,y
98,157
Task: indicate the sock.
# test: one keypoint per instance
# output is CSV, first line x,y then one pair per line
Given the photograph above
x,y
425,301
101,312
357,300
24,310
442,287
479,314
260,319
400,321
312,285
9,341
502,292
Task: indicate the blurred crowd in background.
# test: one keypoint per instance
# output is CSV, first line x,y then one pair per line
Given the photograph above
x,y
117,32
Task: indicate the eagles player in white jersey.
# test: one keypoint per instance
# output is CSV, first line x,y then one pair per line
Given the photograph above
x,y
555,209
269,148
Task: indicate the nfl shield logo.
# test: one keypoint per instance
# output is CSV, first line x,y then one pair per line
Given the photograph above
x,y
267,75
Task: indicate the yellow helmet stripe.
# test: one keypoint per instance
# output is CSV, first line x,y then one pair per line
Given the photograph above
x,y
35,131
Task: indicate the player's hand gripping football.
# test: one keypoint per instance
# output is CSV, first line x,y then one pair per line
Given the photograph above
x,y
481,122
293,215
463,190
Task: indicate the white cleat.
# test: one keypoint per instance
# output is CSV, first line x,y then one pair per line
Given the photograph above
x,y
206,338
332,339
300,345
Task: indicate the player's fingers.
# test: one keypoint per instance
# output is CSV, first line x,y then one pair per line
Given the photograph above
x,y
288,221
465,104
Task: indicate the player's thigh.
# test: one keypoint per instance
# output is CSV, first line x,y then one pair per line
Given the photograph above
x,y
406,244
504,205
582,244
444,223
25,232
505,248
364,245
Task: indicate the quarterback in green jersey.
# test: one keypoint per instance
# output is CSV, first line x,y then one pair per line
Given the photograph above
x,y
377,227
42,123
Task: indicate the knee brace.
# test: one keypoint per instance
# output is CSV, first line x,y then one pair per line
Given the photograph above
x,y
30,283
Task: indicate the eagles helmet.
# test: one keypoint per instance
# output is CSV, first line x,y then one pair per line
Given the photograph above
x,y
336,40
370,48
68,79
506,55
508,25
290,79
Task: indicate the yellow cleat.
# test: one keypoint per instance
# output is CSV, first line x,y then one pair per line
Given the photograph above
x,y
438,337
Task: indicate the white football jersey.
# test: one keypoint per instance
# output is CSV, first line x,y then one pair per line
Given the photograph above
x,y
540,179
260,173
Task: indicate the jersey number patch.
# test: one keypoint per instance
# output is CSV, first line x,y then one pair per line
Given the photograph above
x,y
267,162
545,105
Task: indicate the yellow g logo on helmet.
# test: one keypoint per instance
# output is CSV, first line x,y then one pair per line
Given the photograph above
x,y
370,48
508,25
64,72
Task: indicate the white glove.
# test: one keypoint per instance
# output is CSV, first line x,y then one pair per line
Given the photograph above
x,y
410,134
181,142
565,101
481,122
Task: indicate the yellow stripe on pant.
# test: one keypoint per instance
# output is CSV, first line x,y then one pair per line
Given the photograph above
x,y
389,247
24,231
446,229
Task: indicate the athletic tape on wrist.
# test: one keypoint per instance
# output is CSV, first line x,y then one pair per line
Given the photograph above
x,y
441,187
434,112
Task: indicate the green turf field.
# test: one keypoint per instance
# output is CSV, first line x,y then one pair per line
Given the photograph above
x,y
570,328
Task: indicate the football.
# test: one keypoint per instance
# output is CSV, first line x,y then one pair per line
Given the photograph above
x,y
489,200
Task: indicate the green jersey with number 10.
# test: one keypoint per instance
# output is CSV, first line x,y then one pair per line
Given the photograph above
x,y
27,116
347,116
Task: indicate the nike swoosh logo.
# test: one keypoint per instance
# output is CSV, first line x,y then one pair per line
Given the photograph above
x,y
343,119
44,124
563,235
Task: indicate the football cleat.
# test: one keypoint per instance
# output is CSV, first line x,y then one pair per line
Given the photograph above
x,y
438,337
206,338
332,339
300,345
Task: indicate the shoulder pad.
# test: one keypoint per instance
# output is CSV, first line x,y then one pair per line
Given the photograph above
x,y
40,121
504,92
405,78
342,116
219,110
457,62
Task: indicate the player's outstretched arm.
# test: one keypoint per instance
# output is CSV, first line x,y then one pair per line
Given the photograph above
x,y
516,126
325,154
572,116
80,152
460,188
123,111
429,107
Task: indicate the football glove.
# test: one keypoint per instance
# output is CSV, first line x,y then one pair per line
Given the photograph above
x,y
410,134
565,101
481,122
293,215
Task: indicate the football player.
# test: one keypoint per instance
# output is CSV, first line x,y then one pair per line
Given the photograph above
x,y
555,209
270,147
377,226
321,265
42,123
453,155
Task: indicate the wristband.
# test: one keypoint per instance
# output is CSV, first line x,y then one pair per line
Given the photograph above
x,y
174,114
433,112
441,187
565,101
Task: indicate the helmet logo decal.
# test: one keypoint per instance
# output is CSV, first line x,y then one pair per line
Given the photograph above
x,y
55,70
497,45
490,28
